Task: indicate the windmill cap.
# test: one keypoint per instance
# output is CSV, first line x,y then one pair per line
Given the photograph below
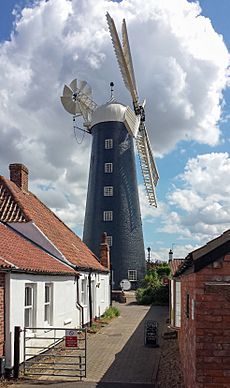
x,y
111,111
115,111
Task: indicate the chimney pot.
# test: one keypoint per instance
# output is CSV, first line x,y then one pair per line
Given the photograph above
x,y
170,255
19,175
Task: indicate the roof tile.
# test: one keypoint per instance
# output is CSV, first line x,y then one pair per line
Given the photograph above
x,y
19,206
17,253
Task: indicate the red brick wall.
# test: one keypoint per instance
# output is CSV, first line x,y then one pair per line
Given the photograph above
x,y
2,312
205,341
187,341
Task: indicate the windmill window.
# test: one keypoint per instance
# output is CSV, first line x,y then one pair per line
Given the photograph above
x,y
29,309
110,240
108,144
108,168
108,191
108,215
48,304
132,275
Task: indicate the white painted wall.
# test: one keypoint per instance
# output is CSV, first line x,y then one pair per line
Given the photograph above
x,y
64,304
100,294
66,314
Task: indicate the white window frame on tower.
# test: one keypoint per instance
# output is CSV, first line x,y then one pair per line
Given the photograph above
x,y
108,144
132,275
108,215
108,191
110,240
108,168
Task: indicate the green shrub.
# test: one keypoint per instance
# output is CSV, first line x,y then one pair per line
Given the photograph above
x,y
111,312
152,295
152,291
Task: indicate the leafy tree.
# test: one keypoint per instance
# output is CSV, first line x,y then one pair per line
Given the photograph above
x,y
152,290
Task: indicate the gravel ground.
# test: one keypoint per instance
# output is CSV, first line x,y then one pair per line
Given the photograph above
x,y
170,373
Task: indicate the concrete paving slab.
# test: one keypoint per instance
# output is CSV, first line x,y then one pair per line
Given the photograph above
x,y
117,356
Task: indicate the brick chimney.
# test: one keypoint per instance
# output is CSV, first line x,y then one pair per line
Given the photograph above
x,y
19,175
104,251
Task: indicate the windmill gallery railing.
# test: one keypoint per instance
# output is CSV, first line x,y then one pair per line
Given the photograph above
x,y
54,352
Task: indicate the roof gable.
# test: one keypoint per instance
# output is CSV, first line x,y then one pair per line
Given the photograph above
x,y
18,254
27,207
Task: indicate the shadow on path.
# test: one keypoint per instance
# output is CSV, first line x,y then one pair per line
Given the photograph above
x,y
135,366
136,363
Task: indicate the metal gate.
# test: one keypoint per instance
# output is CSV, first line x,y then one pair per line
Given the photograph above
x,y
55,352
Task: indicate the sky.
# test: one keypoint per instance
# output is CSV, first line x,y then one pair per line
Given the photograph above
x,y
181,59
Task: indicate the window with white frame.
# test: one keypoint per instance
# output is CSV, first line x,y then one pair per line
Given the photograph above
x,y
110,240
108,215
108,168
48,304
29,308
108,144
108,191
132,275
84,291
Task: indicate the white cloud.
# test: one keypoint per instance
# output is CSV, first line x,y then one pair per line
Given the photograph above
x,y
180,64
202,205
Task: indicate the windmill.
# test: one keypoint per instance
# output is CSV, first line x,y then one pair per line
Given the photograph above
x,y
112,204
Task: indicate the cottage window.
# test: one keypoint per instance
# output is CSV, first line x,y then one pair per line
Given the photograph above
x,y
108,215
110,240
178,304
108,191
108,144
132,275
108,168
48,305
84,292
29,310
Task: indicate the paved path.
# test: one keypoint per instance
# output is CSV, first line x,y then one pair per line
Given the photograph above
x,y
117,356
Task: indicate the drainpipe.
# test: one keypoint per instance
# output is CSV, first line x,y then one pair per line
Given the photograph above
x,y
79,304
90,299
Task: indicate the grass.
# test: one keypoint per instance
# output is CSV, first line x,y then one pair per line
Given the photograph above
x,y
109,314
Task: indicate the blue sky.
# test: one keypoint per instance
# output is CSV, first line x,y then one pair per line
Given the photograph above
x,y
183,80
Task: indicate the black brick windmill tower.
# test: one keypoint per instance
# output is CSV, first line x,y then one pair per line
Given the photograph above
x,y
112,204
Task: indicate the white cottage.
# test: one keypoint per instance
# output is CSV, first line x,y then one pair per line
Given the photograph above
x,y
51,277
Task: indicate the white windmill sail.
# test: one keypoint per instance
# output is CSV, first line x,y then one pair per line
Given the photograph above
x,y
124,58
128,79
148,166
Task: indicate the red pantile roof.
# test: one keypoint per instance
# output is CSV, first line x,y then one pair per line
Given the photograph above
x,y
20,206
17,253
174,264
